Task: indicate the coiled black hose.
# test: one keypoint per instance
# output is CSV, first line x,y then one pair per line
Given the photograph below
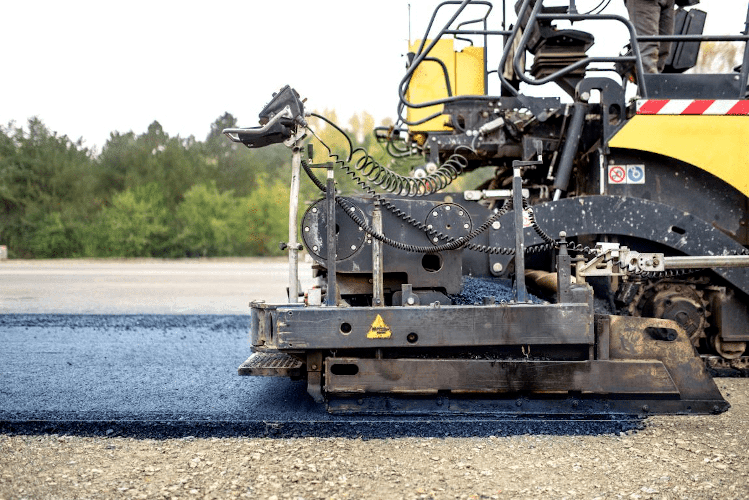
x,y
367,172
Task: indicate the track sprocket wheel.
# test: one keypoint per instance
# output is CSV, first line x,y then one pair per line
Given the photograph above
x,y
675,300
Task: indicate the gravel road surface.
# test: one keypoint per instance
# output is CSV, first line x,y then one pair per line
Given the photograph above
x,y
125,386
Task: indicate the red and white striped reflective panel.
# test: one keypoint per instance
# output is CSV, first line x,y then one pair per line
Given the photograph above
x,y
692,107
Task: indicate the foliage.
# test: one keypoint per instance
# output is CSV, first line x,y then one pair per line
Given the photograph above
x,y
211,222
268,215
135,224
154,195
718,57
47,189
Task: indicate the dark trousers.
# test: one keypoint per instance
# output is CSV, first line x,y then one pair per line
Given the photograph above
x,y
652,17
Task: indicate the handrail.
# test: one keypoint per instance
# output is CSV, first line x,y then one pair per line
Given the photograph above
x,y
634,38
537,14
422,54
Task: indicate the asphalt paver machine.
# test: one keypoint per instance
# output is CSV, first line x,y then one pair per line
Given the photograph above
x,y
596,269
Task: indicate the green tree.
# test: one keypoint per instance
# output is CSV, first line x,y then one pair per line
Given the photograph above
x,y
54,236
136,224
154,195
236,167
211,222
42,173
267,210
175,164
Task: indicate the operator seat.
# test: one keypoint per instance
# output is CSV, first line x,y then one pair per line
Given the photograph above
x,y
555,49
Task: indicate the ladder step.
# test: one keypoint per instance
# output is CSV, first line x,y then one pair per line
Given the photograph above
x,y
271,364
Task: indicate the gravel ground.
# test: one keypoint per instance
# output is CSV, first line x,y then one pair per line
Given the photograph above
x,y
672,457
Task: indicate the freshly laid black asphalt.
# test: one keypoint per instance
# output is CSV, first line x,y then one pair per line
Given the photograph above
x,y
176,376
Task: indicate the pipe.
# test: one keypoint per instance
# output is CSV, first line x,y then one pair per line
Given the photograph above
x,y
571,143
705,261
296,163
331,298
542,279
378,286
521,293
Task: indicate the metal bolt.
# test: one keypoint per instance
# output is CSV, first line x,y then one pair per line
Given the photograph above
x,y
306,229
466,226
314,367
435,240
315,248
496,224
435,214
314,210
460,213
447,207
353,247
411,301
497,267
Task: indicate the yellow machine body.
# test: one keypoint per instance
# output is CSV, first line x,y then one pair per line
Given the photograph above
x,y
718,144
465,71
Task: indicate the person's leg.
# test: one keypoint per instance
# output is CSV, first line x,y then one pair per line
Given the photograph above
x,y
665,27
644,14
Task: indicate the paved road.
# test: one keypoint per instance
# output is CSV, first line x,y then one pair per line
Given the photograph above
x,y
127,370
197,286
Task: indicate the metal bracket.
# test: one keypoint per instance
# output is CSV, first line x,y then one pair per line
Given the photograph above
x,y
409,298
233,133
604,264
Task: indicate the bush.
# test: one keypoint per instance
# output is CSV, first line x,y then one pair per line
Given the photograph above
x,y
267,217
210,222
136,224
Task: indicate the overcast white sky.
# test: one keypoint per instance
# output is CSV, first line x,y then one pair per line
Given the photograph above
x,y
87,68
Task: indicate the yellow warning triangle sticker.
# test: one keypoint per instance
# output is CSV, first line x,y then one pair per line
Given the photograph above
x,y
379,330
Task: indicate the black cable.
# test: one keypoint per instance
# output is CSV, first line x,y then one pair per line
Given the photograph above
x,y
598,8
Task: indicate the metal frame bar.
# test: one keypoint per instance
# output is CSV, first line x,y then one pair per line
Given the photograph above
x,y
435,326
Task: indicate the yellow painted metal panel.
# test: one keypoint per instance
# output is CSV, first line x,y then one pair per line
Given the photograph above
x,y
469,75
428,84
715,143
